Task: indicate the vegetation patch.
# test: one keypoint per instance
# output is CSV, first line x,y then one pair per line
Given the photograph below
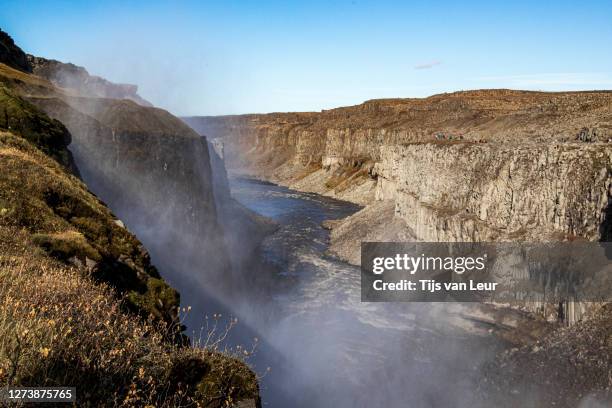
x,y
348,175
69,223
158,299
23,118
66,245
60,327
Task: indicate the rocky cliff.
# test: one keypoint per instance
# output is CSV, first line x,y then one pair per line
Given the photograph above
x,y
87,269
170,178
498,192
157,174
76,79
12,55
466,166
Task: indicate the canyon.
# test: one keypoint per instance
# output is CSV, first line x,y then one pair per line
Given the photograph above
x,y
487,165
484,165
150,209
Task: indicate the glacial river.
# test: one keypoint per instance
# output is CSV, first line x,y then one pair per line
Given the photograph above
x,y
328,349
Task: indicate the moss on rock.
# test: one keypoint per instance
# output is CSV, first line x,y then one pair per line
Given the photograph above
x,y
23,118
66,245
159,299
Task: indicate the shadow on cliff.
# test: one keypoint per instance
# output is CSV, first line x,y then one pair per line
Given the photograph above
x,y
605,228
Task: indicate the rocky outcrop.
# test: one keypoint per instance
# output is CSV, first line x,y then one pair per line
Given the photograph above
x,y
498,192
78,80
12,55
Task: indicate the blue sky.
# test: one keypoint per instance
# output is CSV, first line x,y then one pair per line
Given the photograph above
x,y
226,57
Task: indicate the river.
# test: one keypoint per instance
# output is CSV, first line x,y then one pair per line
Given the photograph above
x,y
325,347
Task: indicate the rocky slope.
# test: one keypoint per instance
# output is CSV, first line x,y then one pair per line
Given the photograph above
x,y
577,360
466,166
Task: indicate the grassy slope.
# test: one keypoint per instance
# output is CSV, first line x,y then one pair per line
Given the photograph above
x,y
70,275
59,327
127,116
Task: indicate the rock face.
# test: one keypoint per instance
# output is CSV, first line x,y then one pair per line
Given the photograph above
x,y
491,192
468,166
12,55
77,79
153,171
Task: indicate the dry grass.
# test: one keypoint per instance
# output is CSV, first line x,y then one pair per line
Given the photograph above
x,y
71,278
13,76
345,176
307,171
58,327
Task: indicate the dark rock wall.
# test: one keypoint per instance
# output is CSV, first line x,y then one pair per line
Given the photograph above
x,y
12,55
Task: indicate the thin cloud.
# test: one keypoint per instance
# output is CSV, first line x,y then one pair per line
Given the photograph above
x,y
428,65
